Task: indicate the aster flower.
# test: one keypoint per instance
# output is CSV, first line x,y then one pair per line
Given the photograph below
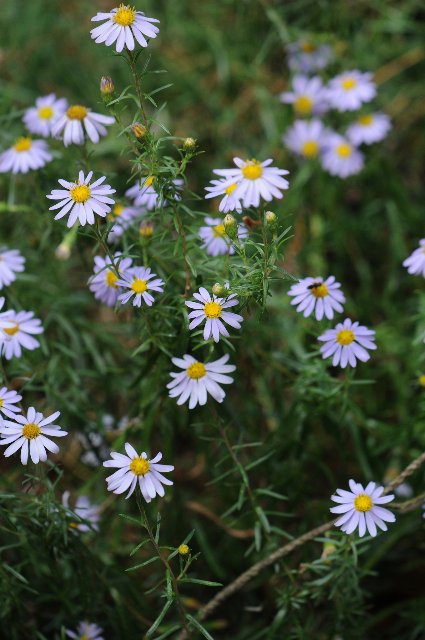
x,y
20,334
349,90
306,57
103,284
85,511
347,343
146,196
214,238
212,310
361,509
146,230
26,154
199,379
138,281
134,467
340,157
46,112
29,433
123,217
5,320
86,631
80,122
369,129
123,25
308,96
82,200
218,188
415,263
306,138
8,400
255,180
318,296
11,263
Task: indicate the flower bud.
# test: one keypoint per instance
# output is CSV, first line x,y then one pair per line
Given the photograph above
x,y
219,289
421,380
183,549
138,130
271,219
230,226
63,251
189,144
146,230
107,87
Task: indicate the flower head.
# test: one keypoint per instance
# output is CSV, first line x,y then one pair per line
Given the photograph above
x,y
306,138
136,469
223,188
198,379
318,296
24,155
214,238
415,263
103,284
213,311
86,631
144,195
369,129
11,263
79,123
82,200
347,343
349,90
20,334
138,281
8,400
88,515
306,57
340,157
361,508
308,96
29,434
122,26
41,118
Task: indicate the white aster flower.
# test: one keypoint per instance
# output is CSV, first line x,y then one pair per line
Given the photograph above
x,y
5,321
79,122
122,217
123,25
82,200
103,284
11,263
88,515
349,90
8,400
315,295
46,112
28,433
133,468
144,195
86,631
306,57
369,129
360,509
199,379
138,281
19,334
222,187
308,96
213,311
255,180
415,263
214,238
306,138
347,343
26,154
340,157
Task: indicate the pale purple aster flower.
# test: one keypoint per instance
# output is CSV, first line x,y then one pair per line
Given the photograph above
x,y
306,138
29,434
146,196
11,263
85,511
41,118
415,263
369,129
8,400
199,379
222,187
361,509
79,123
341,158
306,57
86,631
347,343
124,25
213,311
20,334
349,90
138,281
103,284
138,469
25,155
315,295
308,96
214,238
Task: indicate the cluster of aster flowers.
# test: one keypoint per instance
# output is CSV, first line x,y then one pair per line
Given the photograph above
x,y
312,99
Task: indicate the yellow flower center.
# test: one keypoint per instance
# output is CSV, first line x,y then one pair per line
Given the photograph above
x,y
31,431
125,15
363,503
117,210
84,637
319,290
45,113
76,112
219,230
183,549
111,279
139,286
212,310
80,193
148,181
345,337
74,525
12,330
344,150
253,170
23,144
308,47
1,402
229,190
310,149
146,230
421,382
139,466
349,83
196,370
303,105
366,121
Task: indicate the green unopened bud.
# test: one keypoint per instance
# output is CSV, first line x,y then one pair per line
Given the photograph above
x,y
230,226
271,219
219,289
189,144
138,130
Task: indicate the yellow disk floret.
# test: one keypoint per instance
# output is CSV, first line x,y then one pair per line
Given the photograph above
x,y
303,105
349,83
345,337
310,149
196,370
253,170
363,503
23,144
31,431
213,310
139,466
125,15
139,286
80,193
77,112
45,113
344,150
